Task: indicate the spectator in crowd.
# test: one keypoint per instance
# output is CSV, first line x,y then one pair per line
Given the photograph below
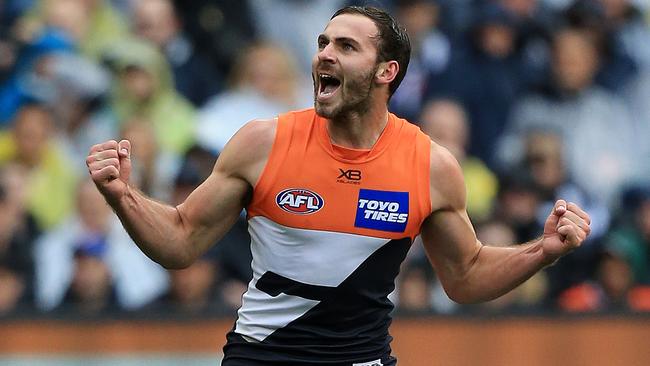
x,y
415,288
257,89
308,18
457,16
30,80
79,108
580,112
153,169
91,290
31,145
517,204
534,20
630,239
195,167
616,66
636,95
608,292
8,55
18,231
192,290
93,24
145,87
429,55
622,278
485,75
616,280
629,29
194,76
10,10
90,256
220,28
446,123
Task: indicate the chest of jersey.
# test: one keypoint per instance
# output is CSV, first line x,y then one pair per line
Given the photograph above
x,y
310,185
336,197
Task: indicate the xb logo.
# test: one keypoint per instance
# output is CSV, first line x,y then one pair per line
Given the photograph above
x,y
350,174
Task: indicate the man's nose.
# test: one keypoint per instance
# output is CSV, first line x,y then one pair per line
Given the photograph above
x,y
327,54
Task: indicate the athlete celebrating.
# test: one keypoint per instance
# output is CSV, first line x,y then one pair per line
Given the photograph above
x,y
334,195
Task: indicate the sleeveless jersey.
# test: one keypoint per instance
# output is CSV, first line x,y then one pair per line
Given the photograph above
x,y
329,229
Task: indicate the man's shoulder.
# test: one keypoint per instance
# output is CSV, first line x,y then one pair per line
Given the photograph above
x,y
260,134
442,161
247,151
447,185
258,127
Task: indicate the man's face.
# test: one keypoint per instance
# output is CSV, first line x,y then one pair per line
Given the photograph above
x,y
343,69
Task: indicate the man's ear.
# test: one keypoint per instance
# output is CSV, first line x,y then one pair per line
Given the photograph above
x,y
387,72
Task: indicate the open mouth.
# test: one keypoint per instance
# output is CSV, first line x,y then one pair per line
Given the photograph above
x,y
328,85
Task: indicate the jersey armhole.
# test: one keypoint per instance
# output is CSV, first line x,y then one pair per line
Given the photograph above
x,y
274,162
424,181
427,179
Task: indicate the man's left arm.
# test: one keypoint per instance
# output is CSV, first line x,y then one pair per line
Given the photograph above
x,y
471,271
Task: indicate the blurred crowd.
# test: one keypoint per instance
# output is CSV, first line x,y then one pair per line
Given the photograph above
x,y
537,99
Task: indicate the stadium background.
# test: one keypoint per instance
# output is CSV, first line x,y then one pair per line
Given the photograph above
x,y
537,99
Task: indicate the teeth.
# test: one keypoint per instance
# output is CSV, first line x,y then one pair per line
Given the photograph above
x,y
327,84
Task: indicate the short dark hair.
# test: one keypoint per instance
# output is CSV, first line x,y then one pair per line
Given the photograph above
x,y
393,43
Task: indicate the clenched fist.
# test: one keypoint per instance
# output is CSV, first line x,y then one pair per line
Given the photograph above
x,y
109,165
565,229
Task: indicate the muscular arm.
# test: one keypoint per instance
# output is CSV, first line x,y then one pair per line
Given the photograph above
x,y
469,270
176,236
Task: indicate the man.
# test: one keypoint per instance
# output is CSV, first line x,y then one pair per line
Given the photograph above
x,y
157,21
334,197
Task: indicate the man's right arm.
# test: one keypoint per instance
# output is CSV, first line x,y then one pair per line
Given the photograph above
x,y
176,236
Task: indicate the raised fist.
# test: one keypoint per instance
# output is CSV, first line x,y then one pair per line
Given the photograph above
x,y
109,165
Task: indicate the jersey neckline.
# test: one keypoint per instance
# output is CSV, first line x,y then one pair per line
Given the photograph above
x,y
351,155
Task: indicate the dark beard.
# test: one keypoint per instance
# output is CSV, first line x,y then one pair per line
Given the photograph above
x,y
357,99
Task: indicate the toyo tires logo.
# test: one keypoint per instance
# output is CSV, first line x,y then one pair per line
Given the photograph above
x,y
382,210
299,201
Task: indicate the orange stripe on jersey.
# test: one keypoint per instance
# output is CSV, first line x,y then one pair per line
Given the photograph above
x,y
310,184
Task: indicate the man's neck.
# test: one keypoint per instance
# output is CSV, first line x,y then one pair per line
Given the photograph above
x,y
358,131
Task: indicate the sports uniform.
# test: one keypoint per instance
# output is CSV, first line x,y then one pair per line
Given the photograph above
x,y
330,227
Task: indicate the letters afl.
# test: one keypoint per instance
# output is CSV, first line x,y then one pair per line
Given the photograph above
x,y
299,201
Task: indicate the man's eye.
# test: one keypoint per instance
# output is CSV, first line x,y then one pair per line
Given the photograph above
x,y
348,47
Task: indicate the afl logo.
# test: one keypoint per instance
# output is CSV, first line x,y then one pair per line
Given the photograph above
x,y
299,201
